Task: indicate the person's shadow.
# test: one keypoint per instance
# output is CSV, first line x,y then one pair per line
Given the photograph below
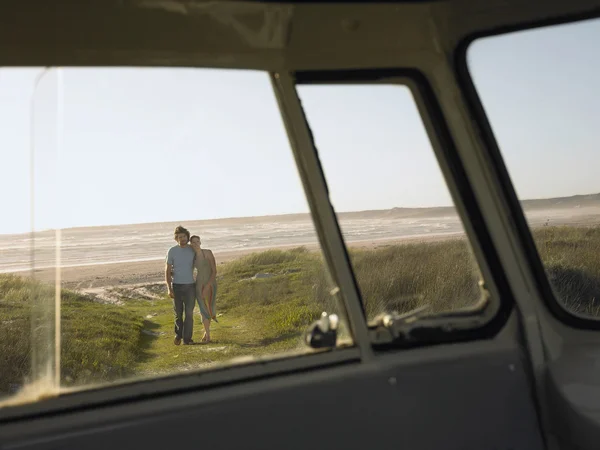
x,y
148,334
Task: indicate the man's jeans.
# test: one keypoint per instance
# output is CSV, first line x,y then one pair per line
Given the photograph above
x,y
185,298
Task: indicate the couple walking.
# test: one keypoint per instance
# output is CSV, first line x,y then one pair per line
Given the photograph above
x,y
182,259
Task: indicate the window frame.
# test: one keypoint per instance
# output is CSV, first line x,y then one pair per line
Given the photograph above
x,y
326,224
488,322
463,325
135,390
239,370
492,151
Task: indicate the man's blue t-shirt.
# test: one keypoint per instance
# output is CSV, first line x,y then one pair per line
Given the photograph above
x,y
182,259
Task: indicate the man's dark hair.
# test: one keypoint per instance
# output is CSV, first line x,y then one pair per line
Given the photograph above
x,y
181,229
194,236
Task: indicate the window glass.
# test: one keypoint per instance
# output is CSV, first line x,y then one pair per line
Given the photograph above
x,y
541,94
406,242
101,166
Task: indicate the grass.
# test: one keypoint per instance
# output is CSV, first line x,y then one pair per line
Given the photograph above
x,y
402,277
99,341
267,315
571,256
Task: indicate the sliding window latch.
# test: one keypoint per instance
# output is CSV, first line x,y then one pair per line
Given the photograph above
x,y
323,332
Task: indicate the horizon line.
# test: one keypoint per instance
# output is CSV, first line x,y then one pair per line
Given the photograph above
x,y
270,215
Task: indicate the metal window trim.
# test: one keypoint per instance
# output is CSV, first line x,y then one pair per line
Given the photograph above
x,y
324,218
524,243
494,317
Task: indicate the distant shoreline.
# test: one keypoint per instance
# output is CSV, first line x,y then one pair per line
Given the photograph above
x,y
229,254
152,271
144,263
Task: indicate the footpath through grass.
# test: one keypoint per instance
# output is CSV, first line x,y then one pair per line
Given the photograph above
x,y
107,342
267,314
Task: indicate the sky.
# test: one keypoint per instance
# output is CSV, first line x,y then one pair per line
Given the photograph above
x,y
129,145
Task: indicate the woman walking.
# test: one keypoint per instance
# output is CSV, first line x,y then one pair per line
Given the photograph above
x,y
206,284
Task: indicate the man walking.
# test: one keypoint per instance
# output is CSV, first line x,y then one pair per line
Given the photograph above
x,y
179,274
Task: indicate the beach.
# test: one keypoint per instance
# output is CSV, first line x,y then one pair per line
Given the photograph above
x,y
93,258
92,278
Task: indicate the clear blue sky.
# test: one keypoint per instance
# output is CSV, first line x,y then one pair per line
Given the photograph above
x,y
149,145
